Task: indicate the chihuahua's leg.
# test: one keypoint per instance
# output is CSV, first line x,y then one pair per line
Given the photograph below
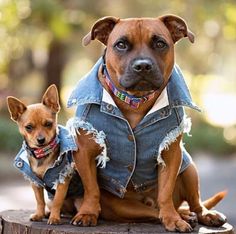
x,y
167,176
86,165
40,210
191,186
57,202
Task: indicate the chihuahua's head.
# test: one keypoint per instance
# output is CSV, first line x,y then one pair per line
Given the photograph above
x,y
37,122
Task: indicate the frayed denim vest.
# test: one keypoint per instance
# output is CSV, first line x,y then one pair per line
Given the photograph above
x,y
134,153
63,166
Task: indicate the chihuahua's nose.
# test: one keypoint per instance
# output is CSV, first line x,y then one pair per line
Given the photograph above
x,y
41,140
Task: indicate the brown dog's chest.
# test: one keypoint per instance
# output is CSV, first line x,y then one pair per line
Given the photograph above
x,y
134,116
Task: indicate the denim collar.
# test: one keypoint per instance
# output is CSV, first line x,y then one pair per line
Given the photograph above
x,y
66,140
89,90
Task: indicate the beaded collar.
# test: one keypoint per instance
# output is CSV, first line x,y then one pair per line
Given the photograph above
x,y
131,100
44,151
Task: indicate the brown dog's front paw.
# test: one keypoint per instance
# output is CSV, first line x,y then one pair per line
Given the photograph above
x,y
84,220
173,222
54,220
36,217
211,218
189,217
176,225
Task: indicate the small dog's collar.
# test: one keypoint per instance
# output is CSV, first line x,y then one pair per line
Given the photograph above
x,y
133,101
44,151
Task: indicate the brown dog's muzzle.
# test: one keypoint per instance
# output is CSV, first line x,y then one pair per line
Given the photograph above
x,y
142,75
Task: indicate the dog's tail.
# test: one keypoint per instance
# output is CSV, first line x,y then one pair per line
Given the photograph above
x,y
214,200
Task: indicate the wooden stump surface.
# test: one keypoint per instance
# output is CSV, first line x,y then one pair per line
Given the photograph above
x,y
17,222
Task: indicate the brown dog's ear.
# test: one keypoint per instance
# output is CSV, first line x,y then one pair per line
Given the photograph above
x,y
177,27
51,98
101,30
16,108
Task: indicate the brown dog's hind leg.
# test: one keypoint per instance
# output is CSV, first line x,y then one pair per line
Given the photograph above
x,y
190,182
85,163
178,199
126,210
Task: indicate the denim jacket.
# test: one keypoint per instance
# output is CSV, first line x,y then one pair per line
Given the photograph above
x,y
134,153
59,171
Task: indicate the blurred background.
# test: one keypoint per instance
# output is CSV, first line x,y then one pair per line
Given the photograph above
x,y
40,44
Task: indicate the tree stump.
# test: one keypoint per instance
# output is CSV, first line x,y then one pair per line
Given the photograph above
x,y
17,222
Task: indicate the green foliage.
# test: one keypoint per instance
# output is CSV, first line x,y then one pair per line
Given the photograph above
x,y
11,139
207,138
27,27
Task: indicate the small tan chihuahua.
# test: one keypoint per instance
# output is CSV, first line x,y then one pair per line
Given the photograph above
x,y
46,157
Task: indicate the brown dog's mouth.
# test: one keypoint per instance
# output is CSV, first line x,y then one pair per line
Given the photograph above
x,y
131,81
142,86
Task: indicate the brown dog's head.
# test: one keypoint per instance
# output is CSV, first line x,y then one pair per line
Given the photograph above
x,y
140,51
37,122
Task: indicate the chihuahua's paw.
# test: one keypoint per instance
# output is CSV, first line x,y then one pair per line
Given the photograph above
x,y
36,217
211,218
84,220
54,220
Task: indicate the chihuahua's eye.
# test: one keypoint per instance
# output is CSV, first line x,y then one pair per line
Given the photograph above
x,y
29,128
48,124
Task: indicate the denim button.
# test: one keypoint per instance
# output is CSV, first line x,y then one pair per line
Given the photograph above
x,y
130,168
19,164
130,137
162,113
109,107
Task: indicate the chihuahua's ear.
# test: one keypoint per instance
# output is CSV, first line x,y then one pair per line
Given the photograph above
x,y
101,30
16,108
51,98
177,27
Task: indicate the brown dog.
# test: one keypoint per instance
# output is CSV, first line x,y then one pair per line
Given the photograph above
x,y
136,73
46,156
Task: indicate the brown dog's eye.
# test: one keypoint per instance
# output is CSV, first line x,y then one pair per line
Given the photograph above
x,y
29,128
48,124
160,44
121,45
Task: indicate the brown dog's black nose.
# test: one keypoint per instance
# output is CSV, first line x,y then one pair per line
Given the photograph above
x,y
41,140
142,65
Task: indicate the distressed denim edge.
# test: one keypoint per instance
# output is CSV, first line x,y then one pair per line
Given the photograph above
x,y
99,137
67,171
184,127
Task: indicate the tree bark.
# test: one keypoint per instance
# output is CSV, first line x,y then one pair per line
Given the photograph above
x,y
55,64
17,222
